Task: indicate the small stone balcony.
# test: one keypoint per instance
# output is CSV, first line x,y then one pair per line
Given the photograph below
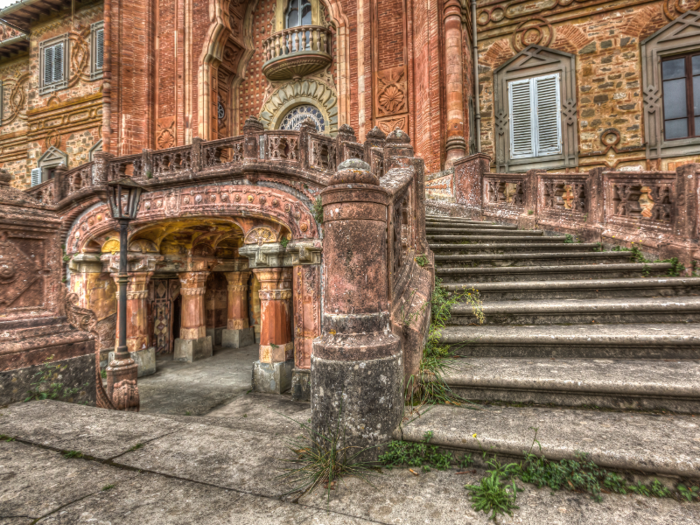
x,y
296,52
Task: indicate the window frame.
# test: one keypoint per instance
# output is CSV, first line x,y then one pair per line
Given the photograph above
x,y
536,152
96,72
532,62
678,38
45,88
299,13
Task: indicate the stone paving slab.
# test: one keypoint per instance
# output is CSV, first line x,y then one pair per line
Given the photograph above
x,y
156,500
64,426
236,459
435,497
655,444
35,481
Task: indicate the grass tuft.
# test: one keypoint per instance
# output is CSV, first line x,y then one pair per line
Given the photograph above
x,y
422,455
73,454
496,493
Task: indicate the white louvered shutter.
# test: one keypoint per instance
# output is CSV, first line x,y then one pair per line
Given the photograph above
x,y
522,140
48,65
58,62
99,48
548,132
36,176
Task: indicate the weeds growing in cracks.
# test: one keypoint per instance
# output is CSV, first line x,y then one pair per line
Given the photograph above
x,y
324,460
428,386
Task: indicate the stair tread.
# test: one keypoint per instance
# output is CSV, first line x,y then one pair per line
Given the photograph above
x,y
613,376
685,334
624,282
560,268
543,255
505,245
632,304
656,444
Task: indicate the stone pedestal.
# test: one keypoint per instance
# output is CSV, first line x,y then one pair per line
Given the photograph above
x,y
301,384
145,361
193,343
356,365
238,332
276,342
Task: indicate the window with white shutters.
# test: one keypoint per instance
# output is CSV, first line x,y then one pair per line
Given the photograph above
x,y
97,46
54,64
535,121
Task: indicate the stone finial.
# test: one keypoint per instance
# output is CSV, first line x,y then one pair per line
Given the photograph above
x,y
376,134
346,133
5,177
398,136
354,171
252,125
310,124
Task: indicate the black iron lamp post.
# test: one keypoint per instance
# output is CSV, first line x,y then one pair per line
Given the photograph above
x,y
124,196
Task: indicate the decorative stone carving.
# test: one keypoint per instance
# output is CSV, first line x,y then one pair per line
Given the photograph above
x,y
296,92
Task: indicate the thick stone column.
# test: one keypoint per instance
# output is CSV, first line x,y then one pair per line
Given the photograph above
x,y
356,365
238,332
273,373
137,337
455,145
193,343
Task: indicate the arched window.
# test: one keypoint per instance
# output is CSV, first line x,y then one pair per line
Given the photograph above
x,y
298,13
294,119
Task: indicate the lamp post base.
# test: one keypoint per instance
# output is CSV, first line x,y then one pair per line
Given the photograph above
x,y
122,386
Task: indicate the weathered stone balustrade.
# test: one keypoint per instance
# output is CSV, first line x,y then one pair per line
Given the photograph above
x,y
656,210
300,154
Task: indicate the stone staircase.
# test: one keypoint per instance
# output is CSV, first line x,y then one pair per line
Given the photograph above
x,y
581,344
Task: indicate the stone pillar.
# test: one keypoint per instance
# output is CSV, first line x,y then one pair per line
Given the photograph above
x,y
137,337
238,332
455,145
193,343
356,365
273,373
307,326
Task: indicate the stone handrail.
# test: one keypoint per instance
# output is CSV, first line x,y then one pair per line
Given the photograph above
x,y
316,154
656,210
296,40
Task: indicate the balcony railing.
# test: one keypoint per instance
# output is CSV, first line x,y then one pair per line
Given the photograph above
x,y
296,52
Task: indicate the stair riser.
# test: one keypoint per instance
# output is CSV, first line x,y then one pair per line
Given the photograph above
x,y
491,238
578,399
576,351
581,318
475,278
612,293
433,232
517,263
469,249
468,225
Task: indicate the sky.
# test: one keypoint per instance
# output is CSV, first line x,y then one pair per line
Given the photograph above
x,y
5,3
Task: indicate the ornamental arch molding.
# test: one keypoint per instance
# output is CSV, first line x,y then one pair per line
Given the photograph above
x,y
534,61
229,201
297,93
682,36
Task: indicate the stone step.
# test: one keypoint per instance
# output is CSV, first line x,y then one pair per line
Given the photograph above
x,y
439,232
452,220
457,226
528,259
485,238
623,384
577,289
551,273
640,341
652,444
581,311
516,247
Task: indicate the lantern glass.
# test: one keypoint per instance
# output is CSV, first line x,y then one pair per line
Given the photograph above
x,y
124,196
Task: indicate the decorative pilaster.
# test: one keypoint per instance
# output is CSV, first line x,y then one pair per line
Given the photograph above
x,y
193,343
356,365
455,145
137,337
307,325
273,373
238,332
